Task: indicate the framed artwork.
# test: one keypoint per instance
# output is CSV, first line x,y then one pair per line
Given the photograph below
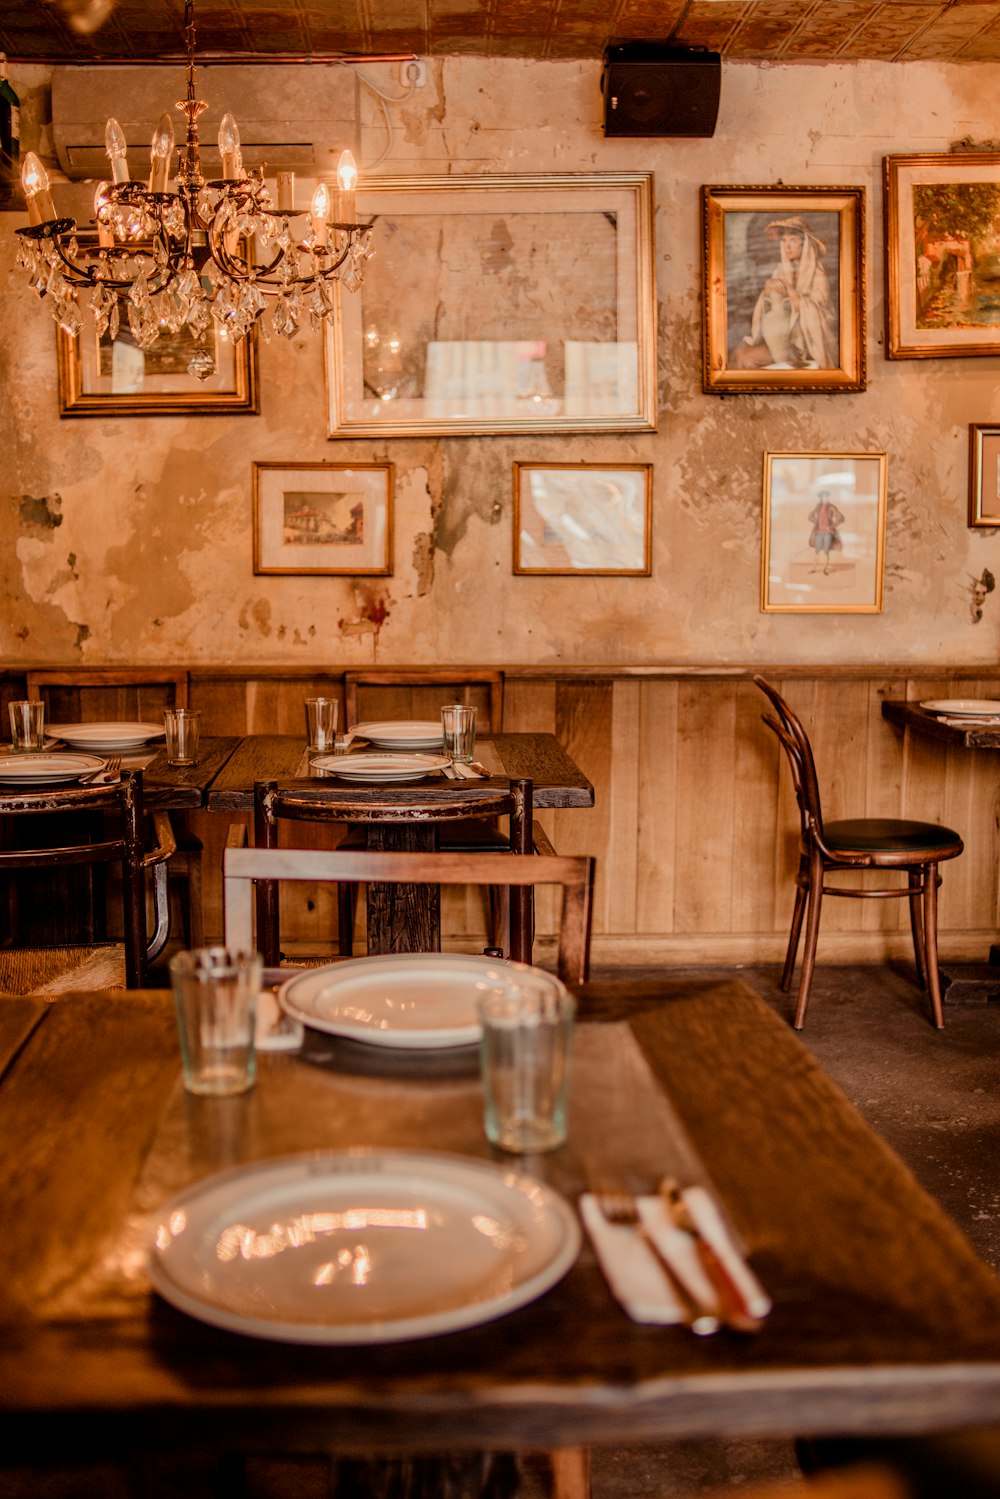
x,y
942,246
823,542
499,304
323,518
783,289
984,475
104,376
572,518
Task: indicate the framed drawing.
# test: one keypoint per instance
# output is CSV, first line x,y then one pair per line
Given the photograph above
x,y
499,304
984,475
942,245
783,289
323,518
823,543
583,518
104,376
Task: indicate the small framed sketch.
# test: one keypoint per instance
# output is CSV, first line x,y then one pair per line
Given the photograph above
x,y
583,518
942,231
783,289
323,518
984,475
823,544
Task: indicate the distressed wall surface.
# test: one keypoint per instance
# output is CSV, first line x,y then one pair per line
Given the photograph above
x,y
130,539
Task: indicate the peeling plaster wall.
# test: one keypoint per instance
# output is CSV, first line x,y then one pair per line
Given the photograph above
x,y
130,539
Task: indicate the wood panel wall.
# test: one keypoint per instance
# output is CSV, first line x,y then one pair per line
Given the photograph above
x,y
694,826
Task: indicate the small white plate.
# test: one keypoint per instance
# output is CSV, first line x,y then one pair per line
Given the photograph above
x,y
361,1247
405,1000
406,734
380,768
48,768
107,736
964,707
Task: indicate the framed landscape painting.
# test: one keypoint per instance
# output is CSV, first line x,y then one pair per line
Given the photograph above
x,y
942,245
783,289
323,518
823,534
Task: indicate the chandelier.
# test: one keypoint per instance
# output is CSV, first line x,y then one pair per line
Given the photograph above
x,y
173,258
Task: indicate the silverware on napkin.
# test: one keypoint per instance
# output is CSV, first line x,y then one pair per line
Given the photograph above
x,y
741,1299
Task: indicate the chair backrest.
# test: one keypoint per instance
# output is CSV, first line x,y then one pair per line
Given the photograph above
x,y
575,873
420,693
794,740
83,696
329,800
125,847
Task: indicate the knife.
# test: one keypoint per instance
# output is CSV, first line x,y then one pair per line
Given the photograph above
x,y
743,1302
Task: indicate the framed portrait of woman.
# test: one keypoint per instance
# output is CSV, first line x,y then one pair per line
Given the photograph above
x,y
784,289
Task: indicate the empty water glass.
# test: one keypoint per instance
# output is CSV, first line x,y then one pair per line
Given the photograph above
x,y
321,723
458,725
27,726
215,992
183,728
525,1051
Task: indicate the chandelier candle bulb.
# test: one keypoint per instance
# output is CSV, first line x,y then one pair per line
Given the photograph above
x,y
286,191
160,154
347,180
320,212
35,182
229,147
116,147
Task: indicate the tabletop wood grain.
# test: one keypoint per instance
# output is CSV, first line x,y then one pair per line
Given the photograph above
x,y
884,1318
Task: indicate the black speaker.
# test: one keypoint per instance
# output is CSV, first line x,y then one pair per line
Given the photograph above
x,y
660,90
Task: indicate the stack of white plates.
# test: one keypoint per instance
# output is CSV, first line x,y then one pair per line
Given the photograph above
x,y
107,736
404,734
380,768
53,768
963,707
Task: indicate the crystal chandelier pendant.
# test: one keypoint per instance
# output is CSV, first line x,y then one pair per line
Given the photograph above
x,y
184,255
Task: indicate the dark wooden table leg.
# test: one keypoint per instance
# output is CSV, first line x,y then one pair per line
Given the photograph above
x,y
403,918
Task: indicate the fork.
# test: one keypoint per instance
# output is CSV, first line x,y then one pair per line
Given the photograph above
x,y
620,1208
112,768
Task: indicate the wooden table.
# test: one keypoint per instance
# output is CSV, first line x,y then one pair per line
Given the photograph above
x,y
884,1319
177,788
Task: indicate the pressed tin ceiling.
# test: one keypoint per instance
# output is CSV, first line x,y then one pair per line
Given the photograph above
x,y
79,31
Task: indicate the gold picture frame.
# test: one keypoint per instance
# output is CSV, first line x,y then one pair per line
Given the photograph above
x,y
783,293
576,518
942,223
499,304
984,476
823,533
114,377
323,518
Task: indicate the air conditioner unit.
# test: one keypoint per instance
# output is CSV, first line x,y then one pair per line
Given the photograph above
x,y
291,117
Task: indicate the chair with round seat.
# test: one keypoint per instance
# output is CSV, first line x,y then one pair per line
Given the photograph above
x,y
913,848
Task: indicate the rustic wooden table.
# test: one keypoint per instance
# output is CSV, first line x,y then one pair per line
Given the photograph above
x,y
884,1320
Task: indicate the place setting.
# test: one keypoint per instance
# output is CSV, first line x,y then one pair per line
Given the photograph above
x,y
401,751
964,712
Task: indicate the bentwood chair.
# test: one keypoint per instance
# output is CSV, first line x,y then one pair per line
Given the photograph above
x,y
912,848
122,844
400,818
244,867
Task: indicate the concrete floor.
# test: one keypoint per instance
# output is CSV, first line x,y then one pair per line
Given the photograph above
x,y
933,1095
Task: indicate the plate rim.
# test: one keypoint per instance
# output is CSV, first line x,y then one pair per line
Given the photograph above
x,y
949,705
333,765
49,758
149,730
376,1333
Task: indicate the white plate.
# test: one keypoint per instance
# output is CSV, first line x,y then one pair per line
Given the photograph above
x,y
361,1247
51,768
107,736
380,767
406,734
405,1000
964,707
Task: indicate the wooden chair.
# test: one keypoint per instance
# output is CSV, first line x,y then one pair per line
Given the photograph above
x,y
123,846
403,818
243,867
419,693
914,848
73,695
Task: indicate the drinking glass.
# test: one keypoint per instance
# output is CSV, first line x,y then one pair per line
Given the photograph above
x,y
525,1053
27,725
321,723
183,729
458,725
215,992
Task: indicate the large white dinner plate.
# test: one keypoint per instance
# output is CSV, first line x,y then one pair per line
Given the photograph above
x,y
404,734
361,1247
380,767
48,768
405,1000
107,736
964,707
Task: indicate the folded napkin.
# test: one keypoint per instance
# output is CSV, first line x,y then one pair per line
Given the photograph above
x,y
466,772
979,721
636,1277
276,1031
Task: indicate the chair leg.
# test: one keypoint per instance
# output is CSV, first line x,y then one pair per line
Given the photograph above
x,y
346,895
796,929
814,907
570,1472
917,885
931,883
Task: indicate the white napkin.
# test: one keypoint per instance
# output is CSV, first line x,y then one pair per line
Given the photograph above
x,y
275,1030
465,772
636,1277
